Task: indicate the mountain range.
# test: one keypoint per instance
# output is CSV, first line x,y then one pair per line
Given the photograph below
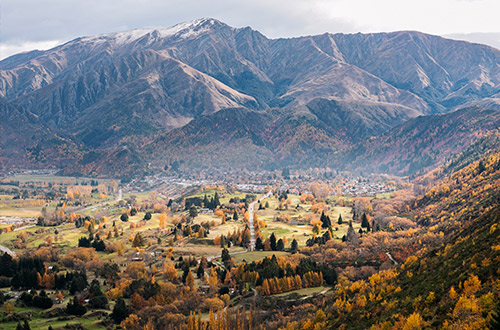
x,y
208,95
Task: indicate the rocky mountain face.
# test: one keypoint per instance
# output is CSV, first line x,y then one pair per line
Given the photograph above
x,y
421,143
26,140
283,100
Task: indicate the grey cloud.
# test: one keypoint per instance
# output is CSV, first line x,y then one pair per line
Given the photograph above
x,y
39,20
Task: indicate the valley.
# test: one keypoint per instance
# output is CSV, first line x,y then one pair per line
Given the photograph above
x,y
209,177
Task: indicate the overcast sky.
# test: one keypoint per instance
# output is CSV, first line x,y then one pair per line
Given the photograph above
x,y
42,24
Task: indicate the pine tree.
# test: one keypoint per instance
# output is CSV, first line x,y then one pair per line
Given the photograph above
x,y
138,240
495,318
200,272
193,212
74,307
258,244
120,311
273,242
216,200
280,246
364,221
340,221
294,246
235,216
325,220
225,257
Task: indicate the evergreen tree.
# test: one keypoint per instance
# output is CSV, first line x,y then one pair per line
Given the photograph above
x,y
200,272
193,212
222,241
340,221
495,318
124,217
206,202
294,246
225,257
272,240
120,311
147,216
138,240
235,216
280,246
42,300
99,245
364,221
83,242
216,200
326,236
325,220
74,307
258,244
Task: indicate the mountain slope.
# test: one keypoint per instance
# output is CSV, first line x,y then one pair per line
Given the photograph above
x,y
26,142
422,143
126,88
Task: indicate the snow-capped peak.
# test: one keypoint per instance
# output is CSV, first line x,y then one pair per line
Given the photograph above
x,y
184,30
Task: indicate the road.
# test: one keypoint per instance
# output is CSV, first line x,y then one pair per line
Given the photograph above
x,y
392,259
93,207
9,251
251,208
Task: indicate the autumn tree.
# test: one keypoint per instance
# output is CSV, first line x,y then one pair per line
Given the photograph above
x,y
163,220
190,280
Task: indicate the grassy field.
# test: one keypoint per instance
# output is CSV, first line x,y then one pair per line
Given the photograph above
x,y
304,292
42,323
256,255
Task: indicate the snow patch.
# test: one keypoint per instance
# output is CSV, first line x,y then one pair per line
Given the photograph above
x,y
186,30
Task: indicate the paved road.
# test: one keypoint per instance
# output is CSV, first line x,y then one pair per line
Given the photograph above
x,y
251,208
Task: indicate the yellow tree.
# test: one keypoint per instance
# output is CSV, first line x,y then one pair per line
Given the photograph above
x,y
170,271
265,288
213,280
163,220
190,280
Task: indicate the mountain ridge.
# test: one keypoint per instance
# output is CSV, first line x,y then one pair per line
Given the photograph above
x,y
127,87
